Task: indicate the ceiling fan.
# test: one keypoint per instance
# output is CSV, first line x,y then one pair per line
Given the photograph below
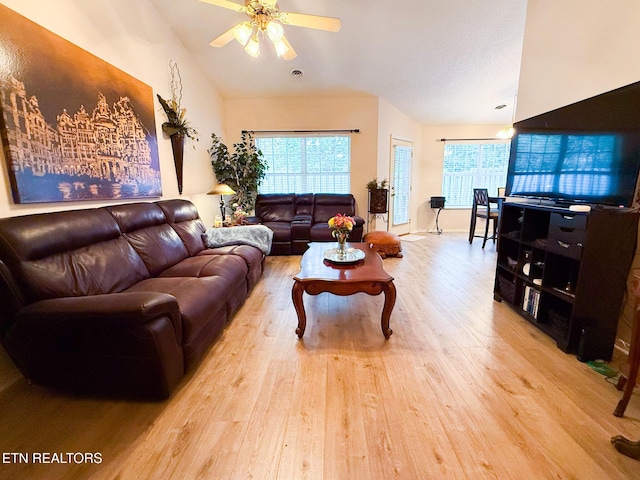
x,y
266,18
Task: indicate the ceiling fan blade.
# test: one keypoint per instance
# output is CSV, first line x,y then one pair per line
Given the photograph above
x,y
223,39
289,54
329,24
270,3
226,4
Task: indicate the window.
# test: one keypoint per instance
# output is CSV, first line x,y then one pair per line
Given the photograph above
x,y
301,164
473,165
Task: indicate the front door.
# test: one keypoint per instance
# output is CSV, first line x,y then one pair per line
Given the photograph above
x,y
401,159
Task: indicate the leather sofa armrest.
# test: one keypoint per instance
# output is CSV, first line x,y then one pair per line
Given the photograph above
x,y
251,220
11,297
359,220
302,218
114,309
300,228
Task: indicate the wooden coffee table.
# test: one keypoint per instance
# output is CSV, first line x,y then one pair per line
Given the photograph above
x,y
318,275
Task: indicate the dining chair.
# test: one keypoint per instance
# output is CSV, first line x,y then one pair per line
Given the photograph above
x,y
482,208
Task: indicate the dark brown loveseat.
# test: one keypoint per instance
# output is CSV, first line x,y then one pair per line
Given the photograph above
x,y
119,300
297,219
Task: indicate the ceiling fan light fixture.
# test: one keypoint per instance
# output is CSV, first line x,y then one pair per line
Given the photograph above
x,y
253,46
266,18
275,31
506,132
242,33
281,47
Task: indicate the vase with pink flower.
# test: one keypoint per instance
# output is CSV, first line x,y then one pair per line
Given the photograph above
x,y
341,226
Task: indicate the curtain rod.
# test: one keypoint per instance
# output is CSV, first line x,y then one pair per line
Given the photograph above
x,y
467,139
355,130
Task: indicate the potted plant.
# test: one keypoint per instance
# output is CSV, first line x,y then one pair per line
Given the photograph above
x,y
243,170
378,195
176,127
377,185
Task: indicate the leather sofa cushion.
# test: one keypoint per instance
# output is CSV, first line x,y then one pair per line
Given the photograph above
x,y
320,232
281,231
71,253
134,216
329,204
230,267
252,257
276,207
160,247
144,226
304,204
31,237
182,215
105,267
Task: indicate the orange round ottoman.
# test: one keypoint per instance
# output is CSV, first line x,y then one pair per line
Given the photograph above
x,y
387,244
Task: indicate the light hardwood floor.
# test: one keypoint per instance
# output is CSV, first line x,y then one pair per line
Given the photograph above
x,y
463,389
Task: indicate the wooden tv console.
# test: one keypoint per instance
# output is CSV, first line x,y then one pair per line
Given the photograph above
x,y
566,272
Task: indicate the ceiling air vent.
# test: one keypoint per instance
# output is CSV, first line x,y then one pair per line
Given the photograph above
x,y
296,73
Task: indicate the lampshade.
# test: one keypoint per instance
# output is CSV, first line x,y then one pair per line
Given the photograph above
x,y
253,47
221,189
242,33
275,31
281,47
506,132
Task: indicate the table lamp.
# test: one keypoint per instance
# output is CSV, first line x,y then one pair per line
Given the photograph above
x,y
221,189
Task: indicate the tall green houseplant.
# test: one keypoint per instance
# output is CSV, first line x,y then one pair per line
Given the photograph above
x,y
243,170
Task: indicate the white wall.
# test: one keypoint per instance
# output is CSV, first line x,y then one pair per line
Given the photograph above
x,y
575,49
318,113
133,37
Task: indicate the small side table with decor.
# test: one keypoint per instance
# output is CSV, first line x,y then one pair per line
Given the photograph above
x,y
437,204
378,206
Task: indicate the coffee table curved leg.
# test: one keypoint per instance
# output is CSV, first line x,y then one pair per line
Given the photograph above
x,y
389,290
296,295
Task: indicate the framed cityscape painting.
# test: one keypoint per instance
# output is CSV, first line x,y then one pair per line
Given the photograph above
x,y
73,127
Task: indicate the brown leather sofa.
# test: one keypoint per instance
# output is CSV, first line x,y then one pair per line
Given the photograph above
x,y
120,300
297,219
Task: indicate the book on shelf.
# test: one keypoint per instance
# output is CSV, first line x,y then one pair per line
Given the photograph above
x,y
531,301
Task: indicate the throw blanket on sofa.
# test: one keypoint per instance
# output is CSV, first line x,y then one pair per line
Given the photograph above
x,y
258,236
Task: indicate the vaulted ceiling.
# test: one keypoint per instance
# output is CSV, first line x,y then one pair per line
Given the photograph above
x,y
438,61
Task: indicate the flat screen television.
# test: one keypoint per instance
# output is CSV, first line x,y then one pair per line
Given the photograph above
x,y
587,152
